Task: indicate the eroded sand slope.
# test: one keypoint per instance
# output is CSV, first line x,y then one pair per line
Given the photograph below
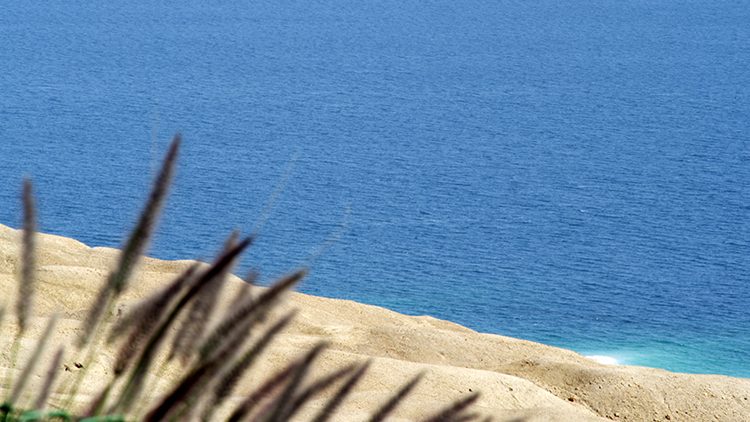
x,y
517,378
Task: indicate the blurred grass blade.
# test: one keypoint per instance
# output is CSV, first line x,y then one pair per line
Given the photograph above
x,y
135,246
33,360
261,304
173,400
245,292
141,321
201,309
49,380
196,381
448,414
135,382
388,407
224,355
152,308
317,387
138,242
341,394
97,406
272,383
146,317
465,417
25,301
230,379
279,409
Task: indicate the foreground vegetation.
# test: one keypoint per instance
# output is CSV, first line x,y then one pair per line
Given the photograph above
x,y
171,325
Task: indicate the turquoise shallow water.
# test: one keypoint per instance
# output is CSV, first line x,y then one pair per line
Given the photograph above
x,y
570,173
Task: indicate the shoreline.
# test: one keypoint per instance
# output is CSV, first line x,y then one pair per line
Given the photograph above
x,y
519,378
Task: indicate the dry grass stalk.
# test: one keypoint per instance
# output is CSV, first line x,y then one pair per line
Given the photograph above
x,y
338,398
33,360
465,417
26,282
201,309
223,357
196,381
152,308
280,408
134,249
26,286
272,383
135,383
135,246
24,301
319,386
452,413
245,293
49,379
144,319
230,379
252,308
389,406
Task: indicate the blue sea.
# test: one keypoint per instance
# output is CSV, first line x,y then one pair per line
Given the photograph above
x,y
575,172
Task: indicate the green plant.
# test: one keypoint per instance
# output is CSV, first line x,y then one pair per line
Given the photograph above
x,y
213,361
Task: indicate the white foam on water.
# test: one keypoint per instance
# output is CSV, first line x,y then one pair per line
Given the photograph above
x,y
606,360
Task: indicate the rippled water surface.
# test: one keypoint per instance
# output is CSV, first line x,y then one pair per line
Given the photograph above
x,y
574,173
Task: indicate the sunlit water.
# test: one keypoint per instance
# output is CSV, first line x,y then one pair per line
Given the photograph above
x,y
574,173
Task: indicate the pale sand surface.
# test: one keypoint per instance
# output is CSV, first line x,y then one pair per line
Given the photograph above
x,y
517,379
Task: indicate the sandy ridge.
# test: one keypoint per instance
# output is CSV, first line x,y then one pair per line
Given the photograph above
x,y
517,378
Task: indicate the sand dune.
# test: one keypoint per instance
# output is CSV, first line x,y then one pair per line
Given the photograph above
x,y
518,379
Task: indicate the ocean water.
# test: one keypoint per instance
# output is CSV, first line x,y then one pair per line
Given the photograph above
x,y
574,173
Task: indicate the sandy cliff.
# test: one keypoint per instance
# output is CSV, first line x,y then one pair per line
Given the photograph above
x,y
517,378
